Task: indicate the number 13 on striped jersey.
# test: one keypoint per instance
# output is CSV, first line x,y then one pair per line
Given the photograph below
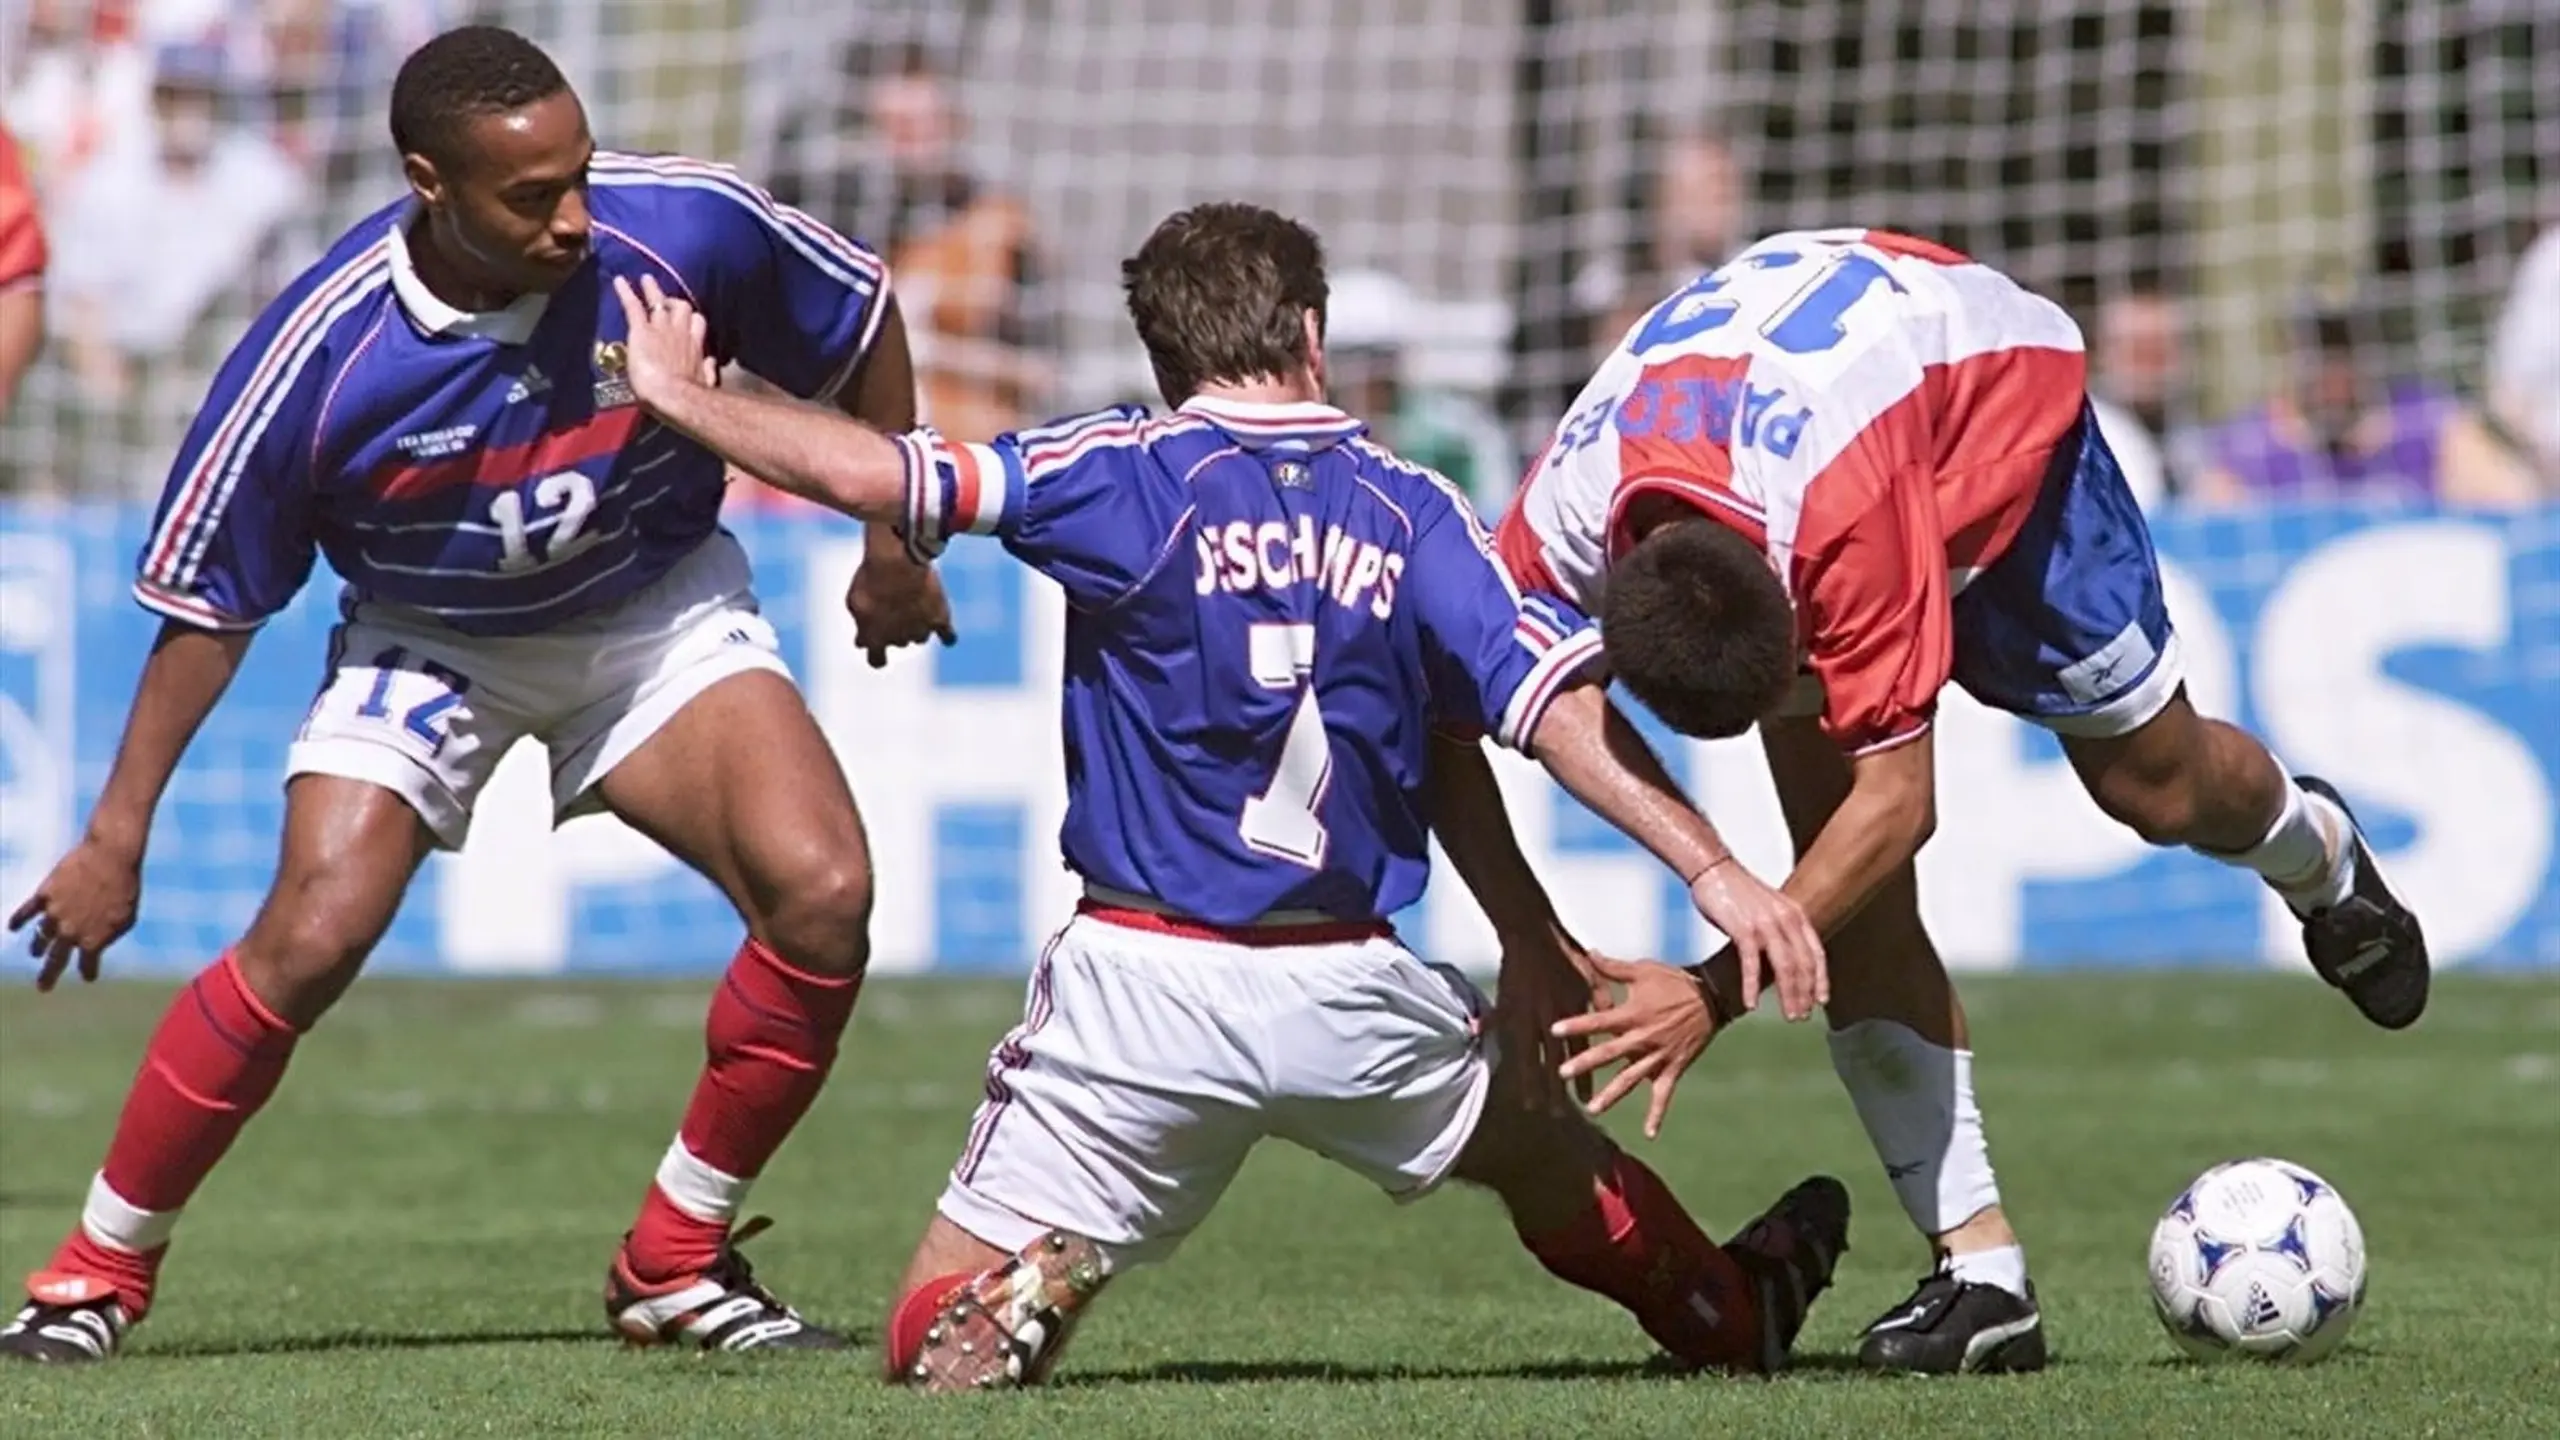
x,y
1281,821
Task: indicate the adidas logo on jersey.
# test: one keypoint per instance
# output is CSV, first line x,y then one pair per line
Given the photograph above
x,y
531,383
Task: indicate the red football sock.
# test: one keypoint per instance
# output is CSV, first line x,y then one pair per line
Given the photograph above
x,y
1638,1247
771,1038
915,1315
212,1063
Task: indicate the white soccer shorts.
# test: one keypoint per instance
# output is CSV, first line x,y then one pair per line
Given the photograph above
x,y
427,712
1148,1064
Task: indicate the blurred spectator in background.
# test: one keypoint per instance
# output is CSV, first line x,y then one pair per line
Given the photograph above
x,y
1372,322
21,271
2524,359
326,66
2339,430
2135,366
84,84
154,229
960,251
1697,208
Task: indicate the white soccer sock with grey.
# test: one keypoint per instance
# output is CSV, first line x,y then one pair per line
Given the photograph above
x,y
1916,1099
2308,855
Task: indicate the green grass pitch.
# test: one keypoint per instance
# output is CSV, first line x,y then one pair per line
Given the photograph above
x,y
410,1241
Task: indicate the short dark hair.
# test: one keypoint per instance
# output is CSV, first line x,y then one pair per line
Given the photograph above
x,y
1218,292
460,76
1699,628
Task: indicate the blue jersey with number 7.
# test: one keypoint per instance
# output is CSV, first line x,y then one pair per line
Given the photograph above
x,y
1268,615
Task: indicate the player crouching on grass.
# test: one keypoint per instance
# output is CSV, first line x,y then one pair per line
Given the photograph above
x,y
1269,615
439,406
1872,456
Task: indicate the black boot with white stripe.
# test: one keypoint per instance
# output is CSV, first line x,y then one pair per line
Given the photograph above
x,y
2368,944
1950,1326
68,1332
722,1308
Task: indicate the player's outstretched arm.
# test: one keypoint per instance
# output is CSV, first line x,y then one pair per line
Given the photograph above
x,y
1596,753
88,900
1668,1015
817,454
1890,812
895,599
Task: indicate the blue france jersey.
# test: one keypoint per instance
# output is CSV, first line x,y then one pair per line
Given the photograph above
x,y
1268,615
492,469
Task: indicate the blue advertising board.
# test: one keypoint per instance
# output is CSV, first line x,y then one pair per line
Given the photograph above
x,y
2413,658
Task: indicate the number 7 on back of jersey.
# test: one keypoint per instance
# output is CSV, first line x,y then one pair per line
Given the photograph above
x,y
1281,821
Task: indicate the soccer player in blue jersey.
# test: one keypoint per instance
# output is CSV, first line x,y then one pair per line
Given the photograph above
x,y
1270,616
441,406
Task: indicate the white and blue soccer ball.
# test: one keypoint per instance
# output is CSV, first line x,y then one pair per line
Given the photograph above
x,y
2259,1258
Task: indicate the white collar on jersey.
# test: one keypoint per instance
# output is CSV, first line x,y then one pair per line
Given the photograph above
x,y
512,325
1265,416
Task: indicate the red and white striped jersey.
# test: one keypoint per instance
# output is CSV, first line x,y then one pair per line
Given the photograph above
x,y
1877,411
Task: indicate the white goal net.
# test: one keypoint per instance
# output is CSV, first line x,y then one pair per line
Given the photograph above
x,y
2192,179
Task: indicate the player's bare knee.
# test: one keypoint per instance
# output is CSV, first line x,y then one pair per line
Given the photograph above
x,y
820,919
303,952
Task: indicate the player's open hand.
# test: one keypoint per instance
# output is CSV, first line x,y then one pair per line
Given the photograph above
x,y
896,602
669,343
84,906
1769,932
1661,1025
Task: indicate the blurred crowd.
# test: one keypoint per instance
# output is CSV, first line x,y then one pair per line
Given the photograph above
x,y
167,164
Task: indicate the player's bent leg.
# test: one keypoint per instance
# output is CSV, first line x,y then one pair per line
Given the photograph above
x,y
1601,1220
1116,1114
349,849
740,784
2180,778
1901,1047
2070,629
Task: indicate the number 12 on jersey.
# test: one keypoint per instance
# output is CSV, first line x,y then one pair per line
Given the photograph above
x,y
1281,821
569,496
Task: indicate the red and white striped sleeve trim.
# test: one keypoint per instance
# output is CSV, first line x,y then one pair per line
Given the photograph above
x,y
956,488
187,609
1560,659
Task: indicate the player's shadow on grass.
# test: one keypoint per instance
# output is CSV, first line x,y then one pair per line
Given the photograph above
x,y
341,1340
1251,1372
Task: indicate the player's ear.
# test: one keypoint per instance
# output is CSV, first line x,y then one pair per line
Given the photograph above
x,y
1314,322
424,180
